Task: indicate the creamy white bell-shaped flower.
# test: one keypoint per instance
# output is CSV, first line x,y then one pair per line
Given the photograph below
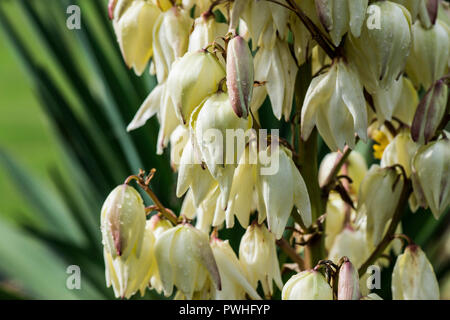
x,y
193,78
215,128
170,39
206,30
307,285
200,5
258,255
122,222
380,52
157,225
191,174
339,17
378,199
276,66
335,104
185,259
133,22
413,276
348,283
401,150
282,189
351,243
131,274
431,176
245,194
429,54
234,282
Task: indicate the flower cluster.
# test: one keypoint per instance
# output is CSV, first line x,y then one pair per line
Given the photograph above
x,y
348,71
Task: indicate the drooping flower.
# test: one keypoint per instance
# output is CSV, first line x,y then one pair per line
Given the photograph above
x,y
380,52
234,282
185,259
378,199
130,274
431,176
283,189
413,277
258,255
429,54
335,104
132,21
307,285
339,17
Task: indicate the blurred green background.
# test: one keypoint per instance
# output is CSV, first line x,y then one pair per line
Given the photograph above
x,y
65,99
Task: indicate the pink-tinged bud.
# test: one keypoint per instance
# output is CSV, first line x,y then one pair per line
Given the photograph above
x,y
348,285
240,75
111,6
429,113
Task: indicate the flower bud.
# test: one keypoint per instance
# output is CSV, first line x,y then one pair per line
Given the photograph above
x,y
431,176
123,222
335,104
400,151
429,55
348,283
413,277
379,196
258,255
430,112
428,10
282,190
206,30
192,79
212,127
234,282
380,52
307,285
350,243
130,274
132,22
185,260
338,17
240,76
170,39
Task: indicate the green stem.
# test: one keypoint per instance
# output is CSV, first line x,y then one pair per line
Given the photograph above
x,y
307,163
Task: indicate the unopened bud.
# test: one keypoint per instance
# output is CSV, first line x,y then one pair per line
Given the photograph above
x,y
123,221
348,285
430,112
240,75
